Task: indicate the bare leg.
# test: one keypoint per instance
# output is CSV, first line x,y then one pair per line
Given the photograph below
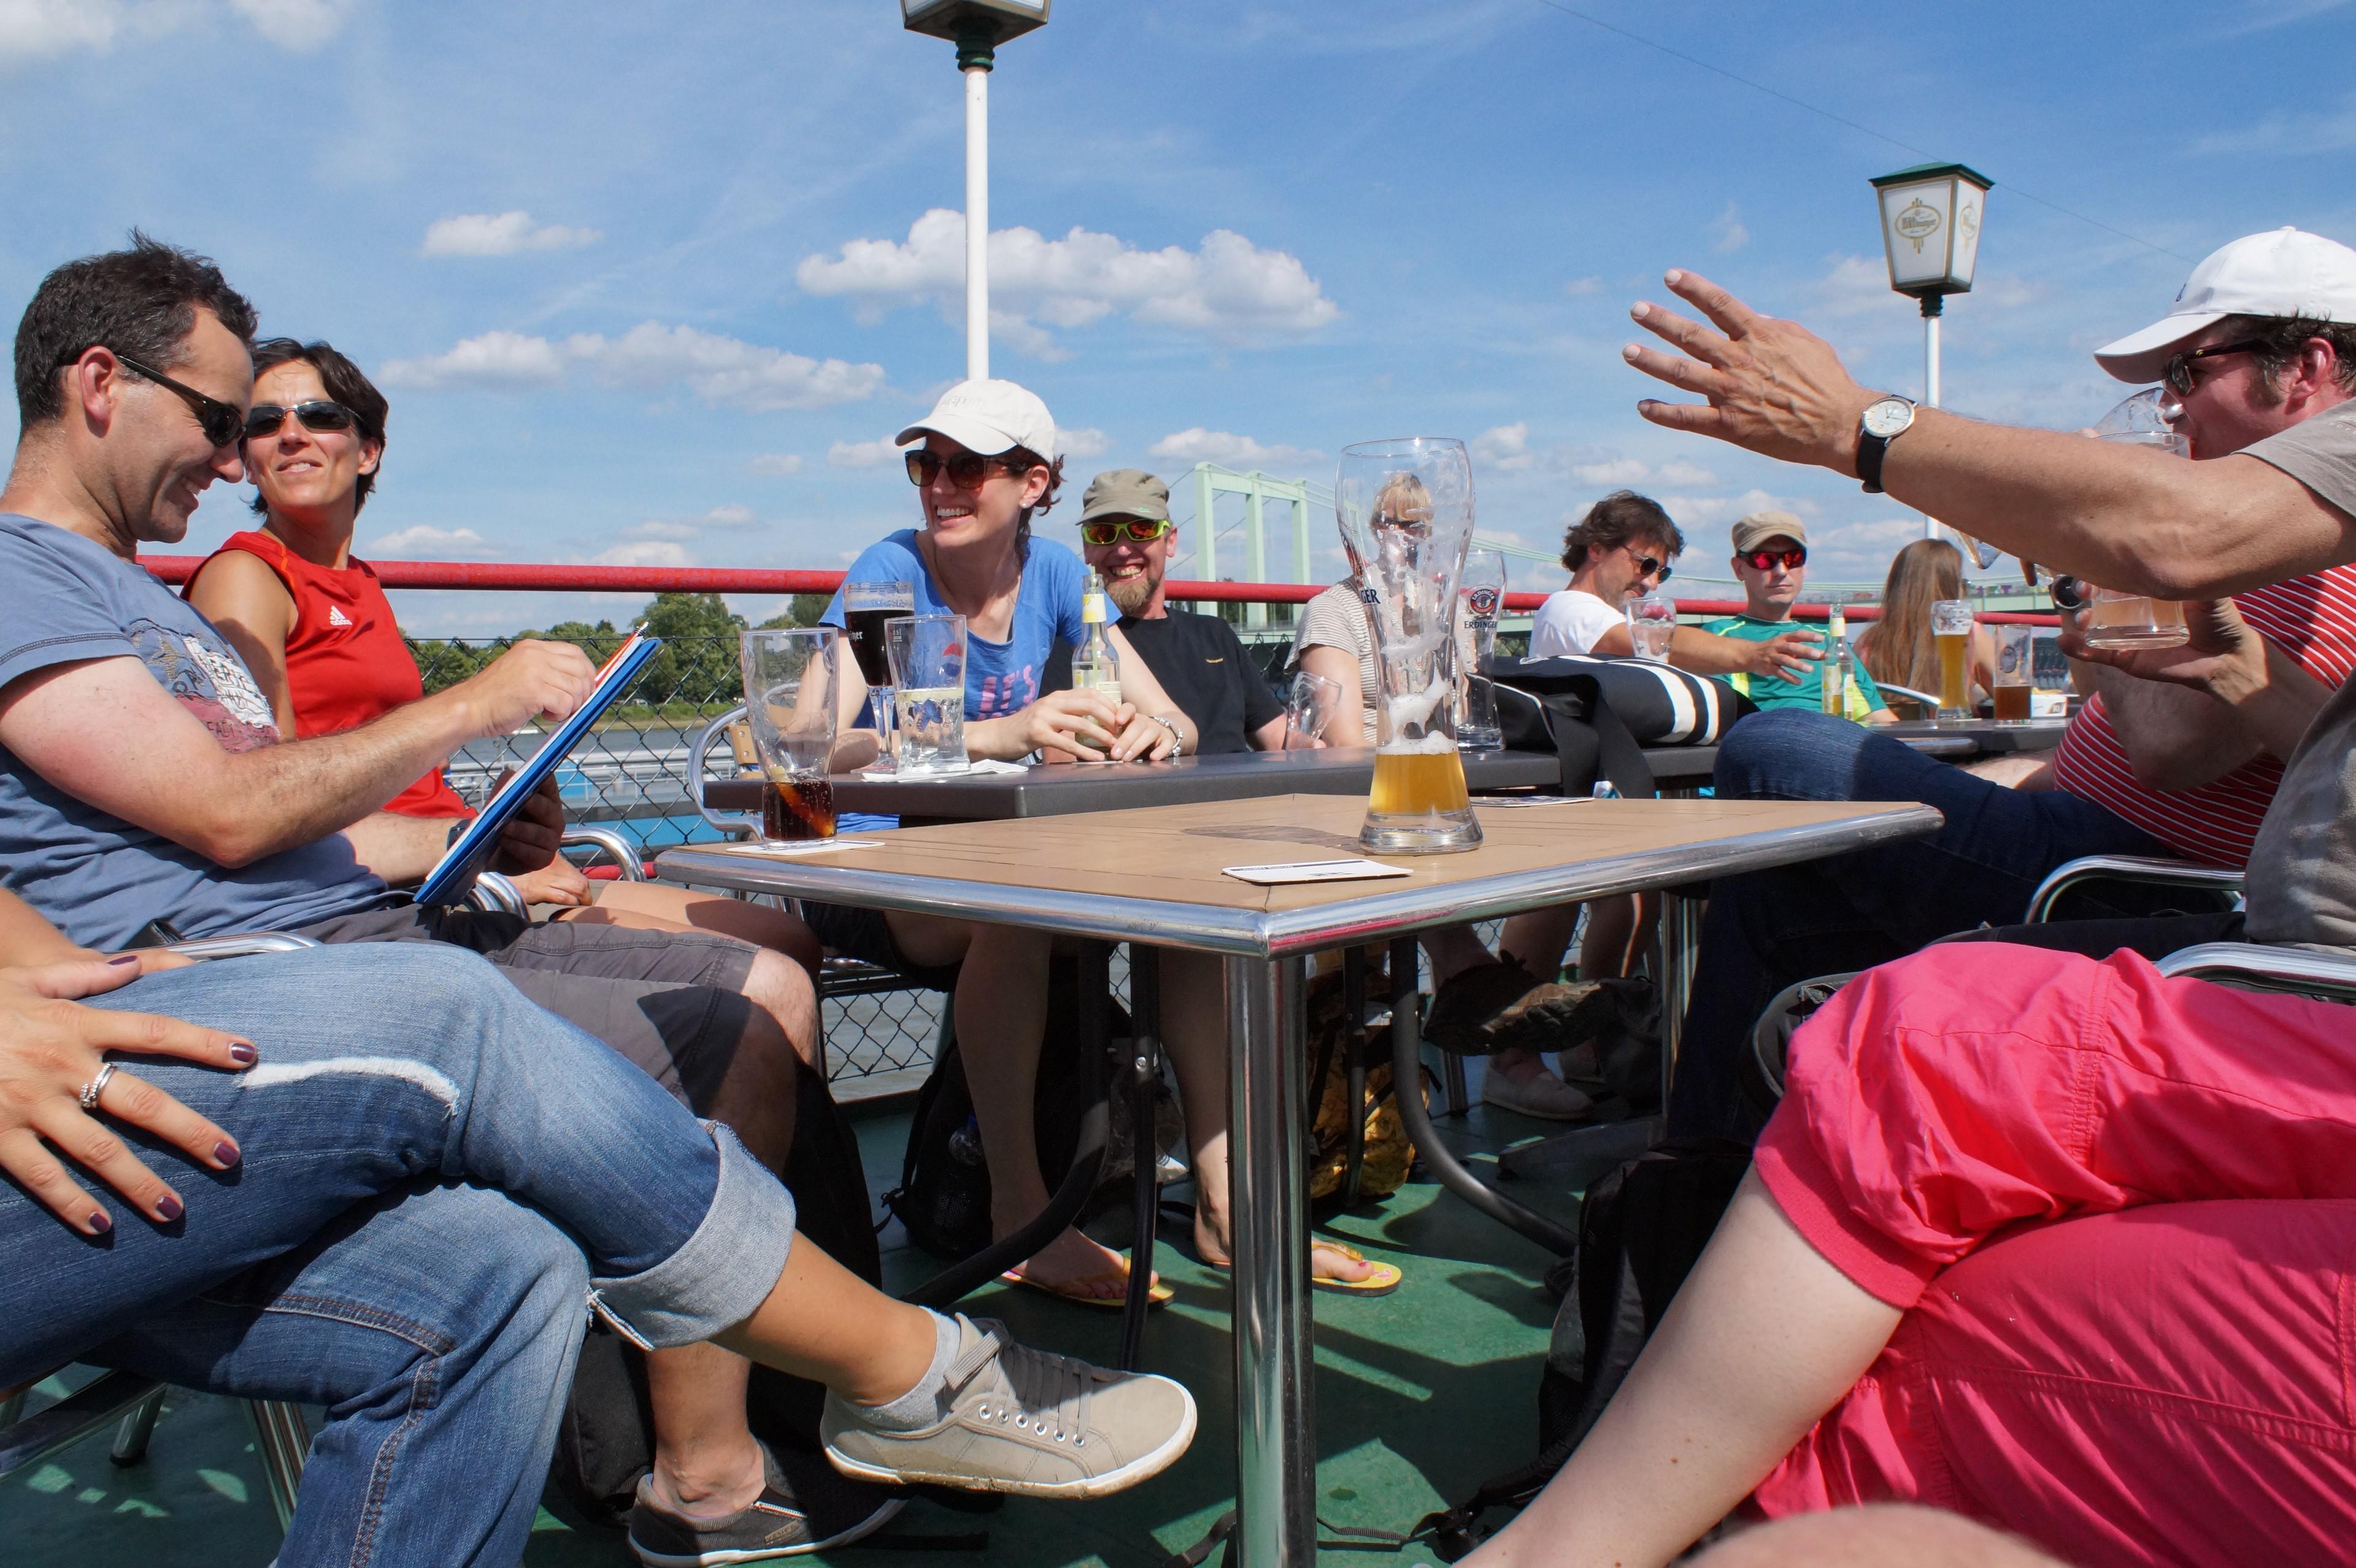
x,y
1762,1339
1873,1537
706,1462
1002,1013
1194,1032
657,906
824,1323
1618,930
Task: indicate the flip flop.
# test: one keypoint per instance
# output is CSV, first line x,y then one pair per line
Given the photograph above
x,y
1384,1279
1076,1291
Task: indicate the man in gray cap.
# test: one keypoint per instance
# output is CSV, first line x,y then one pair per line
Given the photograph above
x,y
1128,539
1771,561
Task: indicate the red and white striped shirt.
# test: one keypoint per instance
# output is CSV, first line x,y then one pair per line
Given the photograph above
x,y
2313,619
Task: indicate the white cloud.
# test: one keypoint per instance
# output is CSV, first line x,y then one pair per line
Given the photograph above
x,y
423,541
777,462
1618,472
649,356
1082,442
862,454
43,30
1587,285
1677,471
1852,286
1201,445
1726,230
658,529
1700,511
1228,289
2325,131
644,552
1507,447
483,234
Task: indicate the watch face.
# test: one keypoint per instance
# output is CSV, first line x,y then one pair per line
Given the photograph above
x,y
1888,417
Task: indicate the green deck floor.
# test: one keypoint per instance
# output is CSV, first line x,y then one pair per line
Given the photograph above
x,y
1421,1395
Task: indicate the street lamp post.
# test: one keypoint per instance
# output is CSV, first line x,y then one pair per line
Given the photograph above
x,y
976,28
1930,235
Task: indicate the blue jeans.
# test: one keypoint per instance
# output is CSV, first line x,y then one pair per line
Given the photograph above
x,y
1767,930
436,1174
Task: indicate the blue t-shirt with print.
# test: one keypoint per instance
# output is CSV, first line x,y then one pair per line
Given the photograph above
x,y
65,600
999,678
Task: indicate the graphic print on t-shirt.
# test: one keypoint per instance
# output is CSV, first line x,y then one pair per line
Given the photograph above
x,y
1007,693
209,683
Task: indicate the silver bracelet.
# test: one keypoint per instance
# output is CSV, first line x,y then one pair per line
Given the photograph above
x,y
1175,733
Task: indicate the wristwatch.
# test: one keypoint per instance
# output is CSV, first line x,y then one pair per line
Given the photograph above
x,y
1883,421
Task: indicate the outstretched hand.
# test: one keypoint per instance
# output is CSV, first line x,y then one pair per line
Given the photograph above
x,y
50,1047
1773,387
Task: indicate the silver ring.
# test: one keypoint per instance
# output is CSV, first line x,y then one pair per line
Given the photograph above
x,y
96,1086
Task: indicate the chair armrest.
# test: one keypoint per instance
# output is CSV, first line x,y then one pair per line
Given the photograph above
x,y
2149,870
1928,699
245,947
2323,976
735,824
625,859
494,891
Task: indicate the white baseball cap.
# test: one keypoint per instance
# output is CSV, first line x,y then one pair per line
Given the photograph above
x,y
989,417
2284,273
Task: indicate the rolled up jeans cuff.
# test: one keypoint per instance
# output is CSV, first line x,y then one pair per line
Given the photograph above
x,y
723,1272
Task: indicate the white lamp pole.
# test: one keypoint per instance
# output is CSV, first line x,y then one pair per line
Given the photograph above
x,y
976,28
1931,236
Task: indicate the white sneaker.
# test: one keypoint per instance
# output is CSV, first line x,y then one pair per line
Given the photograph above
x,y
1541,1095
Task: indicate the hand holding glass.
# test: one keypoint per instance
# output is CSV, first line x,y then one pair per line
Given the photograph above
x,y
1310,708
791,677
1652,626
2136,620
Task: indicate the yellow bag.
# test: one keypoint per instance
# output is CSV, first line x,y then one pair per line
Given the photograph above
x,y
1389,1151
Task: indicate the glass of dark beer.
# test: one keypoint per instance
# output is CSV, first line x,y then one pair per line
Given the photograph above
x,y
792,680
865,607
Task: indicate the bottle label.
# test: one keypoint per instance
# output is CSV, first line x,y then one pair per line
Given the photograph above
x,y
1092,609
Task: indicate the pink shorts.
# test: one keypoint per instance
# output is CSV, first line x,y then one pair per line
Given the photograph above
x,y
2149,1360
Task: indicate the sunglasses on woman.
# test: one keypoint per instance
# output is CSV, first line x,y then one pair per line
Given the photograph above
x,y
1136,530
1790,560
966,470
318,414
2179,374
221,421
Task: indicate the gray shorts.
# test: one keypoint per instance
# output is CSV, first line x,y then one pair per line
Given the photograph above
x,y
672,1002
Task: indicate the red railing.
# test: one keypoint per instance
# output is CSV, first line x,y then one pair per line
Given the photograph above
x,y
549,577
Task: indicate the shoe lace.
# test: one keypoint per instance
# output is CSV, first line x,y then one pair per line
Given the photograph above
x,y
1050,1393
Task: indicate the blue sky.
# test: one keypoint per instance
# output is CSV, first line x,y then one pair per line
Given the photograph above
x,y
655,284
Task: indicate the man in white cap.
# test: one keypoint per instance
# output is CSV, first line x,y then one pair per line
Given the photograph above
x,y
2177,754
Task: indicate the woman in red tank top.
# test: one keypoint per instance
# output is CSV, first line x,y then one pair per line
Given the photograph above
x,y
315,628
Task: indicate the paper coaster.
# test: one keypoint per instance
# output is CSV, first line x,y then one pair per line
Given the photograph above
x,y
806,847
1350,870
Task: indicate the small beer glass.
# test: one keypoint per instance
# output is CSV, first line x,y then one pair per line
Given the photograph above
x,y
1652,623
1309,708
2016,653
792,678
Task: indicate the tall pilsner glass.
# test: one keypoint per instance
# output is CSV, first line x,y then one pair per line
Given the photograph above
x,y
1405,513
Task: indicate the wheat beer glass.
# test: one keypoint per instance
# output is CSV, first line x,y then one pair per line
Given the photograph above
x,y
1479,599
791,677
1406,512
1951,629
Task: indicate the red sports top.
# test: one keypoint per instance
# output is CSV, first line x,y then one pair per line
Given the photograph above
x,y
2313,619
346,663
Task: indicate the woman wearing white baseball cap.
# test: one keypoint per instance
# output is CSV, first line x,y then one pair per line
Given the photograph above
x,y
987,463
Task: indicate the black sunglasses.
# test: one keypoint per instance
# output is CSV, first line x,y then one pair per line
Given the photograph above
x,y
967,469
2179,374
1791,559
221,422
318,414
1659,571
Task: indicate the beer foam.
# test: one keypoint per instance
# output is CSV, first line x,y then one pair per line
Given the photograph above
x,y
1421,746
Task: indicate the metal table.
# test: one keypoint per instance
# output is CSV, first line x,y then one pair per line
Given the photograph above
x,y
1060,789
1988,737
1153,875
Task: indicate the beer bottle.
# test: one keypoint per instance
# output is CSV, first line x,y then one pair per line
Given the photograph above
x,y
1095,666
1835,665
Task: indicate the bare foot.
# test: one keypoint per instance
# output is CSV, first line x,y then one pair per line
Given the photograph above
x,y
1074,1264
1324,1261
1516,1063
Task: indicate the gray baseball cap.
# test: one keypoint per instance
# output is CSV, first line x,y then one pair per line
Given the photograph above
x,y
1126,493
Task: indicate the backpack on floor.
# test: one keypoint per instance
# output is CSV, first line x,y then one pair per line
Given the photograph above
x,y
1640,1232
943,1198
607,1439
